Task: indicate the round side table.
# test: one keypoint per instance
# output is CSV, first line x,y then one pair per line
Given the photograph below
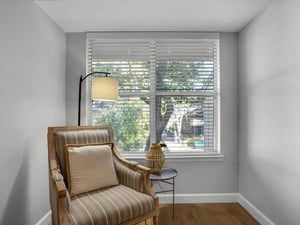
x,y
167,175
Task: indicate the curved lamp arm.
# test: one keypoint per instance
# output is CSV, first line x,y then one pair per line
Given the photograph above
x,y
82,78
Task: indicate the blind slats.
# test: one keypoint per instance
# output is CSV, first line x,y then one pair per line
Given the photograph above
x,y
182,76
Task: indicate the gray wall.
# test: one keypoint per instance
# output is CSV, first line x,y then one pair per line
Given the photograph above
x,y
194,176
32,97
269,54
76,66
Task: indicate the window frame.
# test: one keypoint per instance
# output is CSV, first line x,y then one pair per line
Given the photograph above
x,y
174,156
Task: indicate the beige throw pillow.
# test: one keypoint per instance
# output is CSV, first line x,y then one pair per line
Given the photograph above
x,y
89,168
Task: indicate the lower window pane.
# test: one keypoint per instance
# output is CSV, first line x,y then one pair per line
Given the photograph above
x,y
129,117
185,123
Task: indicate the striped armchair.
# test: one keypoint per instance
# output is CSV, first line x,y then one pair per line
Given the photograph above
x,y
131,201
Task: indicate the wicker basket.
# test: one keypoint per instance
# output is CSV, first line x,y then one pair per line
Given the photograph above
x,y
155,158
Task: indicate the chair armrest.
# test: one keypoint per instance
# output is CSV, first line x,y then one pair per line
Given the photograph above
x,y
135,176
59,198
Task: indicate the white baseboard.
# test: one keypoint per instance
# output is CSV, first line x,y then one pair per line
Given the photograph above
x,y
198,198
45,220
257,214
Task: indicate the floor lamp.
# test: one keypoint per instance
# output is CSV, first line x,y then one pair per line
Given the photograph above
x,y
103,88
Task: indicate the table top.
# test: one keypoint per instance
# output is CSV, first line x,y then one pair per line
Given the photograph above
x,y
166,173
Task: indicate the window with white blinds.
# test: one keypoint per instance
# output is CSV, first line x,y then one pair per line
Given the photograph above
x,y
168,91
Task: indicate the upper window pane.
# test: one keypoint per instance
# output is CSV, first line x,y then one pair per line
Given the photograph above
x,y
183,65
133,76
178,76
128,61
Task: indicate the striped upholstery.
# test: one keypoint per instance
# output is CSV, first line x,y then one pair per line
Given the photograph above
x,y
77,137
129,177
109,206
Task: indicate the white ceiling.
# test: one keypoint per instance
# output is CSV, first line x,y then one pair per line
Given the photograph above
x,y
152,15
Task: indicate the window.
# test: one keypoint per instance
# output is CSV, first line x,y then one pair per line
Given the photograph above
x,y
168,90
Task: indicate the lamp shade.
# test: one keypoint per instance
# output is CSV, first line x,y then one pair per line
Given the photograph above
x,y
104,88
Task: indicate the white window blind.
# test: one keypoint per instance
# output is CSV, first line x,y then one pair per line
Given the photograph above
x,y
127,60
168,91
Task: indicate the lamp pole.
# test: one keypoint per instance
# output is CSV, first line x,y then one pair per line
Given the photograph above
x,y
82,78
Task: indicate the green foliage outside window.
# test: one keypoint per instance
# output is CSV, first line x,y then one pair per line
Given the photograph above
x,y
129,132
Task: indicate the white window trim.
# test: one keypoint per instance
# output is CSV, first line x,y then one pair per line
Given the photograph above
x,y
216,155
178,157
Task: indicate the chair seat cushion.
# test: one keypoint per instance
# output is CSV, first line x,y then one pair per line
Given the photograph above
x,y
109,206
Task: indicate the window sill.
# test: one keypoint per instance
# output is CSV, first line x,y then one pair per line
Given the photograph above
x,y
178,157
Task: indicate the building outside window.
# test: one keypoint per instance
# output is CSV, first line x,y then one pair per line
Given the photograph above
x,y
168,90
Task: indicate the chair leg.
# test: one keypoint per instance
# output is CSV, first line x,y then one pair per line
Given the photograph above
x,y
155,220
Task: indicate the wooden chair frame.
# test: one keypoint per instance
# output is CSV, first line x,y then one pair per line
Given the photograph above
x,y
58,192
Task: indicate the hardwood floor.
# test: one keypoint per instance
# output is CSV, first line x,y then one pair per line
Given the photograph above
x,y
206,214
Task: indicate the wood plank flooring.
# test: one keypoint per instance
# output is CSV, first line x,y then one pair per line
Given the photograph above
x,y
206,214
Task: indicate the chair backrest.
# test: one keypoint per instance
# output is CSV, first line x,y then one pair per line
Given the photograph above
x,y
59,137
